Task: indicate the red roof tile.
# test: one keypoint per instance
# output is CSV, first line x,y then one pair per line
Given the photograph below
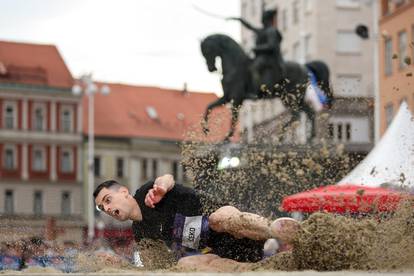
x,y
123,113
33,64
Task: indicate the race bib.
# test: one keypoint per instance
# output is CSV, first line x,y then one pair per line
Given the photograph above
x,y
190,231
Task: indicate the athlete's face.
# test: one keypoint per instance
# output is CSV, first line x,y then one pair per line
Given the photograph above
x,y
114,202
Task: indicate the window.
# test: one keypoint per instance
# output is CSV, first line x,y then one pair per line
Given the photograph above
x,y
388,56
175,169
385,7
38,203
154,168
39,117
144,165
97,166
10,158
330,131
339,132
295,12
347,3
10,115
66,161
66,203
8,202
284,20
412,44
402,48
348,132
296,51
66,120
39,159
348,42
38,124
120,167
399,3
348,85
389,113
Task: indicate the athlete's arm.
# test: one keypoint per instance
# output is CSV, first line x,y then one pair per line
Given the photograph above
x,y
162,185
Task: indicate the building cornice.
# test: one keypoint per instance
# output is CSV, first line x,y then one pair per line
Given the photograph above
x,y
63,98
397,12
40,137
34,88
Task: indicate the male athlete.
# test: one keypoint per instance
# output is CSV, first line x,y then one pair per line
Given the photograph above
x,y
171,212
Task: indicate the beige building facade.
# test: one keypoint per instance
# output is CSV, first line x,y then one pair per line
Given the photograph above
x,y
323,30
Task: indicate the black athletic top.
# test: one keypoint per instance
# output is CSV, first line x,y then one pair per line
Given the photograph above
x,y
178,220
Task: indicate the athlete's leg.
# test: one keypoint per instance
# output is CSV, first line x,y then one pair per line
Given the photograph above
x,y
247,225
240,224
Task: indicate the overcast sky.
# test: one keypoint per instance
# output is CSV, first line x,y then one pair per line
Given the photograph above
x,y
143,42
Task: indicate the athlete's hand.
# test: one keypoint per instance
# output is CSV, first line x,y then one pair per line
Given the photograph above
x,y
155,195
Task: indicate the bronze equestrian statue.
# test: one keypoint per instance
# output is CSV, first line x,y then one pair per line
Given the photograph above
x,y
268,60
265,76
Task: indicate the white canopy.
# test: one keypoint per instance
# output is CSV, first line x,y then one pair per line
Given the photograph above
x,y
392,159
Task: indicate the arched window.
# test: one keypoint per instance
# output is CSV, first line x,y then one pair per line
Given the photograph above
x,y
66,164
10,115
39,117
9,157
39,159
66,119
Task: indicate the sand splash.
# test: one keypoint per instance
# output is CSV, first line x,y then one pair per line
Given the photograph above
x,y
328,242
331,242
266,175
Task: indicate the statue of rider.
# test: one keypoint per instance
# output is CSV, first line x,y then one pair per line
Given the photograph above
x,y
268,60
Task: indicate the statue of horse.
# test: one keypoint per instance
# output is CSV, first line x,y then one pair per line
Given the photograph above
x,y
291,81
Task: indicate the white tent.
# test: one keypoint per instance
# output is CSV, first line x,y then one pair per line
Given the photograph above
x,y
392,159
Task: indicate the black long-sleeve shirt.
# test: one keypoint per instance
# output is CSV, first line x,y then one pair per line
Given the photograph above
x,y
178,220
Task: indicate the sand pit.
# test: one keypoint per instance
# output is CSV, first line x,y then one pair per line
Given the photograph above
x,y
279,273
327,243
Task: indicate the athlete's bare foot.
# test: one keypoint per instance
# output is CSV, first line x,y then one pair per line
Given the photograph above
x,y
285,229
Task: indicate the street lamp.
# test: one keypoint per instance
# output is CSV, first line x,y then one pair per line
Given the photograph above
x,y
89,88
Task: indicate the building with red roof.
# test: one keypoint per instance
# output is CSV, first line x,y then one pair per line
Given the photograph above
x,y
154,113
40,142
139,131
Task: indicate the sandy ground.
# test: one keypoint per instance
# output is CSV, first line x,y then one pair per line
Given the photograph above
x,y
275,273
